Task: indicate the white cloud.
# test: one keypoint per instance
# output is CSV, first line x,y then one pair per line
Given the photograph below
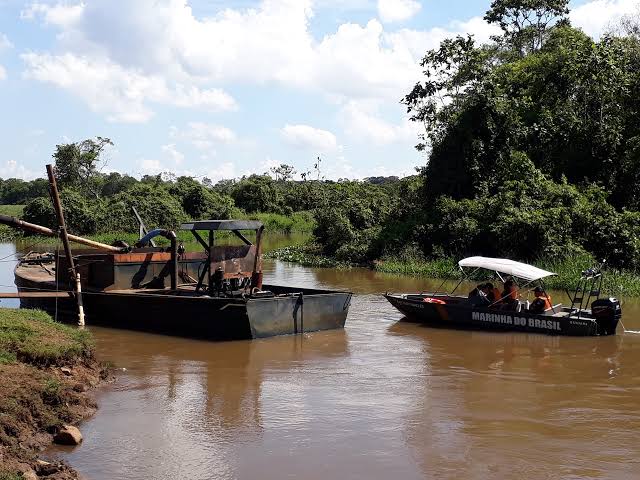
x,y
362,121
62,15
204,136
123,94
150,166
397,10
171,151
304,136
13,169
270,43
5,43
595,17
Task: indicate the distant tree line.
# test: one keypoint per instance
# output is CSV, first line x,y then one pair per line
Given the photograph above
x,y
96,202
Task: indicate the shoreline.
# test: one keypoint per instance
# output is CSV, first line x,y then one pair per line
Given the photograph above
x,y
48,373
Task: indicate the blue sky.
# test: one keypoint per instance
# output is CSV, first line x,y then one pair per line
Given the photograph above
x,y
226,88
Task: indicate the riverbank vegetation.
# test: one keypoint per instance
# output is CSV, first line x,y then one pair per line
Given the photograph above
x,y
45,371
533,153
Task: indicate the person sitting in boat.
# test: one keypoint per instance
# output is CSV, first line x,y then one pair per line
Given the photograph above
x,y
493,293
478,296
510,295
542,303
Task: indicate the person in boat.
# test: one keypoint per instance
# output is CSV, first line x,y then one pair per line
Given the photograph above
x,y
493,293
478,296
510,295
542,303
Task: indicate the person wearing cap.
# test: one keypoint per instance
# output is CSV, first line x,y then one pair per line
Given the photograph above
x,y
542,303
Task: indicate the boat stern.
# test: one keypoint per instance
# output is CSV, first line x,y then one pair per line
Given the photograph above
x,y
607,313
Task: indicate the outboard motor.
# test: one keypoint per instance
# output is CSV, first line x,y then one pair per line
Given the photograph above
x,y
607,313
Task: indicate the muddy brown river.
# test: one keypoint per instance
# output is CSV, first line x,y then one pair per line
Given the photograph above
x,y
380,399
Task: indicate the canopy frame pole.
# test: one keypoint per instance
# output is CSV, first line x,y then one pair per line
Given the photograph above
x,y
447,277
464,277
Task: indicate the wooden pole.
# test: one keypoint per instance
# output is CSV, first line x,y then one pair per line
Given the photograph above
x,y
53,188
32,227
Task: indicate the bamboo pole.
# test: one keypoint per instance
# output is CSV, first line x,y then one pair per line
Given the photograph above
x,y
53,188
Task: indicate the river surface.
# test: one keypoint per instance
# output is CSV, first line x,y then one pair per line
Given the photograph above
x,y
380,399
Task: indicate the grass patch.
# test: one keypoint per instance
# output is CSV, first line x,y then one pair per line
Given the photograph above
x,y
11,210
10,476
6,232
31,336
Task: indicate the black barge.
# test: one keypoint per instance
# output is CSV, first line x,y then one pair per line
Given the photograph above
x,y
214,294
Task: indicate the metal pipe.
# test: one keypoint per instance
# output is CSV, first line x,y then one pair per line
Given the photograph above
x,y
32,227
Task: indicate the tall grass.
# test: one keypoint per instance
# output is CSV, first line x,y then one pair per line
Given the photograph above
x,y
6,232
11,210
568,272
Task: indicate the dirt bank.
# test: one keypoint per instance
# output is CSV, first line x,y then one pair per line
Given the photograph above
x,y
47,372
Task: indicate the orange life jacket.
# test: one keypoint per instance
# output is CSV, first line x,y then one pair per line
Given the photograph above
x,y
496,295
547,300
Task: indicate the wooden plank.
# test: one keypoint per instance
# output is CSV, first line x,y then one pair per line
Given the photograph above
x,y
36,294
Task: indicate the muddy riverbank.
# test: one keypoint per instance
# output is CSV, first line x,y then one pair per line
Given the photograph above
x,y
47,372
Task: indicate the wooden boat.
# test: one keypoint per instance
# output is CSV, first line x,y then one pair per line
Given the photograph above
x,y
456,311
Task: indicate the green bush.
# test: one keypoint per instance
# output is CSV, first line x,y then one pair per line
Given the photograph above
x,y
157,207
80,215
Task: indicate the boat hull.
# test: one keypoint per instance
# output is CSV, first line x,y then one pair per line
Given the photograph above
x,y
290,311
466,317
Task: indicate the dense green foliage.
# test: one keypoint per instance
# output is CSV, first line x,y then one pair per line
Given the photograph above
x,y
533,151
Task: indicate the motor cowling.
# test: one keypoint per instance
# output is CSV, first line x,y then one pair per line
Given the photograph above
x,y
607,312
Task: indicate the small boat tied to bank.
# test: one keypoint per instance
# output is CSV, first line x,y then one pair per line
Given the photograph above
x,y
216,293
449,310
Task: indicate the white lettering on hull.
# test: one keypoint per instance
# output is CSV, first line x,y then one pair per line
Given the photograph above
x,y
517,321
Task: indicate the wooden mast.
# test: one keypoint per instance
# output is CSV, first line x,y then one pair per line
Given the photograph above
x,y
53,188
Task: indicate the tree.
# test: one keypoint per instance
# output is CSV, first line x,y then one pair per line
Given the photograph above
x,y
257,193
450,72
525,22
78,165
283,172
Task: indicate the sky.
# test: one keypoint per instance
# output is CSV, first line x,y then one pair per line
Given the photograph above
x,y
221,89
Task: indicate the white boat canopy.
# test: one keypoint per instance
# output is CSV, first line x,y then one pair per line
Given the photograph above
x,y
509,267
